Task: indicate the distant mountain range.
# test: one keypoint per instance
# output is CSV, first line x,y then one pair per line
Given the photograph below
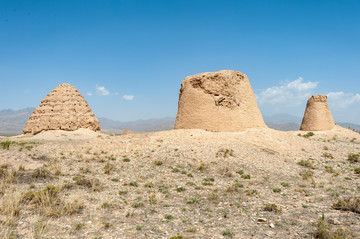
x,y
284,122
138,126
13,121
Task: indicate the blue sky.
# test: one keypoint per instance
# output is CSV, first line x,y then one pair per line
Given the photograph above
x,y
128,58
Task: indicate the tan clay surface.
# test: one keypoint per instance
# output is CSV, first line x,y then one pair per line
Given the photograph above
x,y
218,101
64,108
317,116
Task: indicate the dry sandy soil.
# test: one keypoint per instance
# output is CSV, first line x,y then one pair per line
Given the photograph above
x,y
260,183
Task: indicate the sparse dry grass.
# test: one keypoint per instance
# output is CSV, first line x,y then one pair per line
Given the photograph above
x,y
10,207
49,202
324,231
196,184
348,204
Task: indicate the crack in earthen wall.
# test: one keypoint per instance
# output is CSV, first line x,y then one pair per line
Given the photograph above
x,y
221,94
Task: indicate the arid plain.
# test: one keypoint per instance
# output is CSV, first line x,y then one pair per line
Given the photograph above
x,y
259,183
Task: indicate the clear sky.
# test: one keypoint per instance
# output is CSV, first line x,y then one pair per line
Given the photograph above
x,y
128,58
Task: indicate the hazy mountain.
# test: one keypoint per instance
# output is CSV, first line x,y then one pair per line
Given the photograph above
x,y
13,121
287,122
350,126
140,126
287,126
283,122
282,118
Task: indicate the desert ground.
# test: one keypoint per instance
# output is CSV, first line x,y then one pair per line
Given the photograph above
x,y
260,183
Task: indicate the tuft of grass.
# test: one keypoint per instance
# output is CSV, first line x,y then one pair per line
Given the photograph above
x,y
323,231
232,188
41,173
164,189
241,172
149,185
357,170
192,201
40,228
228,233
106,224
126,160
354,158
306,174
4,166
276,190
201,167
271,207
108,168
152,199
239,185
208,181
225,153
6,144
306,164
168,216
252,192
123,192
137,204
79,226
10,208
7,176
180,189
308,135
284,184
93,183
41,157
73,207
133,184
348,204
178,237
158,163
3,173
175,170
329,169
49,203
327,155
246,176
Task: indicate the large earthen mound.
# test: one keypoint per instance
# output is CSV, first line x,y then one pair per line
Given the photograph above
x,y
218,101
64,108
317,116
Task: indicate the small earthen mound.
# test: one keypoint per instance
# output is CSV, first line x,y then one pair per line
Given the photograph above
x,y
64,108
218,101
317,116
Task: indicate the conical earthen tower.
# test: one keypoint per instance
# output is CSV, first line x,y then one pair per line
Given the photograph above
x,y
218,101
317,116
64,108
